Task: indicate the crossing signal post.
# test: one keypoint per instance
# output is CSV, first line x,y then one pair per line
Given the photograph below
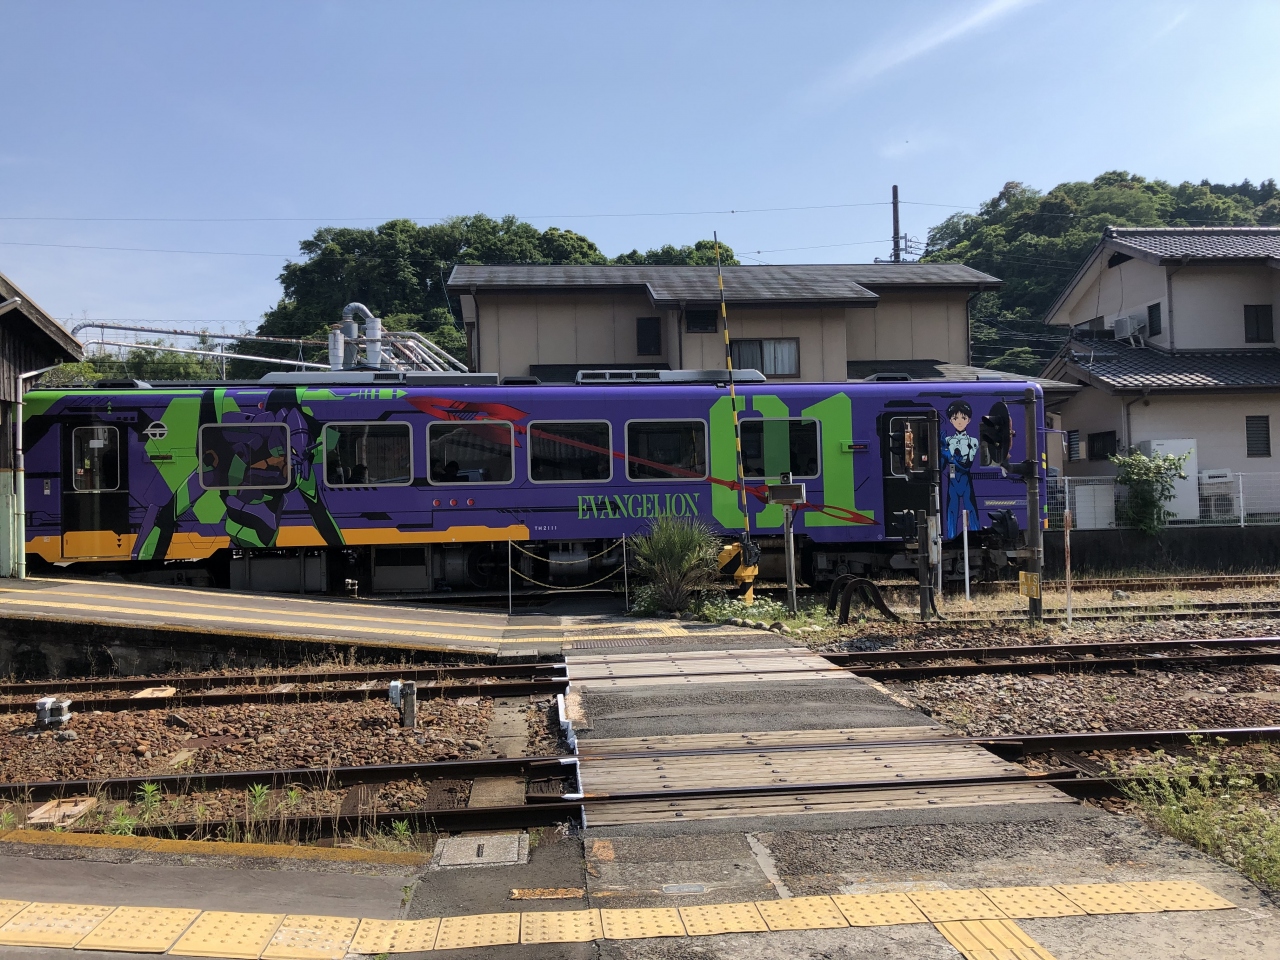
x,y
790,495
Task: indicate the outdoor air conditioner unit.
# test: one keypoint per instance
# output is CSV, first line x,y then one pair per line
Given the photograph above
x,y
1216,476
1131,325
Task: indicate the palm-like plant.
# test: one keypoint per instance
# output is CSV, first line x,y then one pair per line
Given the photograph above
x,y
676,559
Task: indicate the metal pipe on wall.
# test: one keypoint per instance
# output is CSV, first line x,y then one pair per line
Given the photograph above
x,y
19,568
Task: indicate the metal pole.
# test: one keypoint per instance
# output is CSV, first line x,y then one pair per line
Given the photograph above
x,y
788,515
1239,486
626,585
1066,558
937,541
922,559
964,527
897,232
510,602
1035,531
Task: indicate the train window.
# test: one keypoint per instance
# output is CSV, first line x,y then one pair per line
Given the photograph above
x,y
570,450
244,456
667,450
95,459
771,448
368,454
478,451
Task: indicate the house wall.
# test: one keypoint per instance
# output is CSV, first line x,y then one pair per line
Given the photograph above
x,y
1216,423
1126,288
1208,303
911,325
820,330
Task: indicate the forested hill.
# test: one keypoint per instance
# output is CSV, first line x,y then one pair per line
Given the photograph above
x,y
1036,241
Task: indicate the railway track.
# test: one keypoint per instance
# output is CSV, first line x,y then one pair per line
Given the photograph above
x,y
1251,609
1130,655
1076,777
1173,582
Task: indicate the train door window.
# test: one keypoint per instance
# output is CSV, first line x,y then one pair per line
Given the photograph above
x,y
572,450
95,455
244,456
908,446
479,451
368,454
771,448
667,450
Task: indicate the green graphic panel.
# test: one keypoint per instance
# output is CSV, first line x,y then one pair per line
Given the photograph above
x,y
174,454
776,461
836,416
209,508
725,503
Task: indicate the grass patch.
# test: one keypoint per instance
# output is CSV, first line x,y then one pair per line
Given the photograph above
x,y
1223,802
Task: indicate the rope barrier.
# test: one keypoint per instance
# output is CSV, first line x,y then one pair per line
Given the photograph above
x,y
613,546
580,586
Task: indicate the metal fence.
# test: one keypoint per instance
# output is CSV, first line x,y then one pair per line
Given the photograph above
x,y
1219,499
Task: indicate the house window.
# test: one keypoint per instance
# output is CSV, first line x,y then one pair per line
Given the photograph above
x,y
473,452
368,454
1257,436
1257,324
95,459
1153,320
771,448
773,358
649,336
667,450
701,321
1073,444
572,450
245,456
1102,445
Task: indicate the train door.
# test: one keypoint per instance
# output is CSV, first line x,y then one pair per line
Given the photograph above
x,y
909,453
95,493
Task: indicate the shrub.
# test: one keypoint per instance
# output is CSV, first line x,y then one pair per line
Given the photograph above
x,y
1150,486
676,561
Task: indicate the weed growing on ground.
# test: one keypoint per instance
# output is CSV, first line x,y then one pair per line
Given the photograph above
x,y
718,608
148,801
1219,803
121,823
8,820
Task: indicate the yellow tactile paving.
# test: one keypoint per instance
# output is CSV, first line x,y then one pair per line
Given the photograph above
x,y
1027,903
992,940
943,906
801,913
481,930
228,936
9,907
395,936
561,926
878,909
640,924
1103,898
139,929
52,924
302,937
1179,895
713,918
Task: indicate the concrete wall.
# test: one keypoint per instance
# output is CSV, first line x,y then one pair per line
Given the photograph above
x,y
1208,303
911,325
1228,549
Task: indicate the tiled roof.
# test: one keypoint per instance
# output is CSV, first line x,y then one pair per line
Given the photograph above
x,y
811,283
1122,367
938,370
1198,242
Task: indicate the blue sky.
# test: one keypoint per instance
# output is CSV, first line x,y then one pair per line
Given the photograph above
x,y
236,129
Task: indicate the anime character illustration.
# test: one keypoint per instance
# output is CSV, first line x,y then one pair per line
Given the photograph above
x,y
958,453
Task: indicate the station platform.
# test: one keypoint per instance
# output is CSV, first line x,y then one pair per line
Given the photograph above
x,y
148,610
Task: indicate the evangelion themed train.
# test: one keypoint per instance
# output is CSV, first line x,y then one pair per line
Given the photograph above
x,y
393,481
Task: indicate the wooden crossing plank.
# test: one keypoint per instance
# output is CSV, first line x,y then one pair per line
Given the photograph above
x,y
764,738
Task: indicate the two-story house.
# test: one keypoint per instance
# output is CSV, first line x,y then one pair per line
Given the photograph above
x,y
825,322
1173,339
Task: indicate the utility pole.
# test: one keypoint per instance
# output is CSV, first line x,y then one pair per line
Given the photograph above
x,y
897,232
1035,530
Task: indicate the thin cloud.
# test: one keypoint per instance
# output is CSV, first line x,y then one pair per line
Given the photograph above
x,y
1172,24
865,68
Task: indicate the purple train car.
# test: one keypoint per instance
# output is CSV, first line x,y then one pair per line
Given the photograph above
x,y
414,483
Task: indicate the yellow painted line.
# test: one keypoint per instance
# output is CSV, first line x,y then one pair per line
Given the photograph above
x,y
297,937
139,929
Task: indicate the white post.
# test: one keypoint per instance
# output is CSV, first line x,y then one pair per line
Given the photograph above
x,y
964,528
510,602
790,541
1066,558
1240,488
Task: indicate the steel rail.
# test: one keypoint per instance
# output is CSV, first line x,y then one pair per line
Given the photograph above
x,y
1170,611
1004,651
1128,664
207,682
500,688
326,777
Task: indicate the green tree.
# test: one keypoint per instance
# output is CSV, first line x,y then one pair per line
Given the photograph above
x,y
1149,482
701,254
1036,241
1020,360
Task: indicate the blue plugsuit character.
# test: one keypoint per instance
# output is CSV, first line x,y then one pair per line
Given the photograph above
x,y
958,453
